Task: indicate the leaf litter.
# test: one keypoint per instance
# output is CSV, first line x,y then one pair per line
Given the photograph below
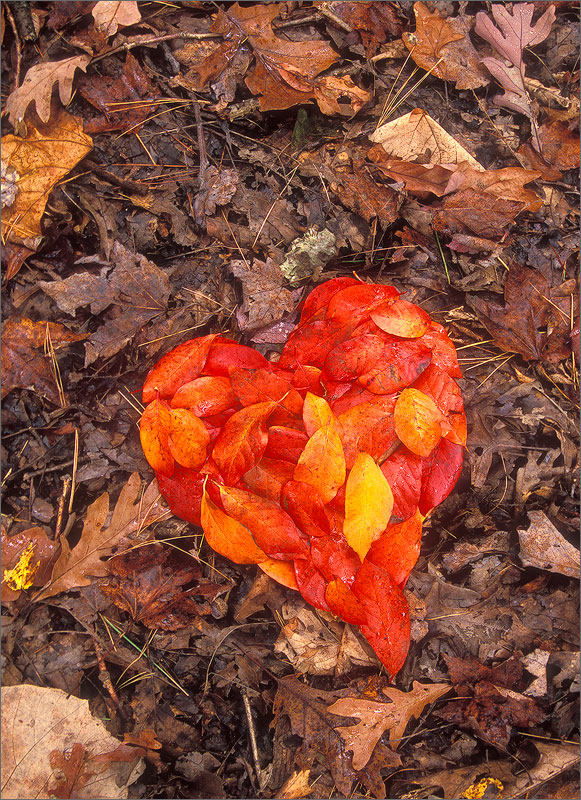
x,y
264,151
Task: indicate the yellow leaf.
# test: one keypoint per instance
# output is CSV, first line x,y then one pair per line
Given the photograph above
x,y
368,504
22,575
316,413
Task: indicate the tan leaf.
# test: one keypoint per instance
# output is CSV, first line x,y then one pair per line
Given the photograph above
x,y
133,513
544,547
377,718
417,135
36,164
110,16
38,84
43,728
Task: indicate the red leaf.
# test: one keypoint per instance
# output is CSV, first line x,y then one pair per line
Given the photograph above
x,y
357,302
353,357
258,385
443,350
388,623
184,363
315,305
368,427
183,492
445,392
311,583
398,548
304,505
205,396
343,603
333,557
401,318
271,527
286,444
242,441
268,477
154,429
310,343
307,379
403,471
352,397
226,355
401,363
441,471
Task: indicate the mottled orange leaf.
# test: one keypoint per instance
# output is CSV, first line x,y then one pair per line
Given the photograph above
x,y
271,527
242,441
322,462
205,396
260,385
445,393
368,504
368,427
281,571
356,302
188,438
154,429
184,363
398,548
304,504
401,318
268,477
353,357
343,603
418,421
402,361
227,536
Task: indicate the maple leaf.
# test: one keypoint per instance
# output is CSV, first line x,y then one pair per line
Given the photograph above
x,y
24,363
377,718
445,40
34,165
38,84
75,567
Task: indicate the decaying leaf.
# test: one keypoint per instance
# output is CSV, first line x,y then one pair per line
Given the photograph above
x,y
38,85
45,732
544,547
377,718
132,514
110,15
37,163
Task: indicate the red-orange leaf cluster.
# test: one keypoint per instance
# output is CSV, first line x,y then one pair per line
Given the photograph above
x,y
321,467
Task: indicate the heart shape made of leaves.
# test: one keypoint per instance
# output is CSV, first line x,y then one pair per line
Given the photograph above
x,y
322,466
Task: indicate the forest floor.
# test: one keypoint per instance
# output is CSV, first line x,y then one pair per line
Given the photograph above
x,y
203,146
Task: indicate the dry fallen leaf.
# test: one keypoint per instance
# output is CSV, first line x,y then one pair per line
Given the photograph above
x,y
416,135
265,297
24,364
38,84
543,546
110,15
445,40
51,742
132,514
376,718
35,165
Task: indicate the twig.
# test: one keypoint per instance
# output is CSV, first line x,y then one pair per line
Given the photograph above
x,y
253,745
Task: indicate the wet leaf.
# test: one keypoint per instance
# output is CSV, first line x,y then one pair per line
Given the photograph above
x,y
188,438
155,427
242,441
205,396
398,548
401,318
184,363
418,421
368,504
344,603
316,413
322,462
227,536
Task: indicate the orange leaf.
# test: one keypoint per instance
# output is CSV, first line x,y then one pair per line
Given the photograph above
x,y
281,571
268,477
205,396
353,357
343,603
445,392
316,413
305,506
401,318
388,623
188,438
368,427
154,429
271,527
368,504
403,361
316,303
418,421
322,462
398,548
242,441
356,302
258,385
182,364
228,537
285,443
